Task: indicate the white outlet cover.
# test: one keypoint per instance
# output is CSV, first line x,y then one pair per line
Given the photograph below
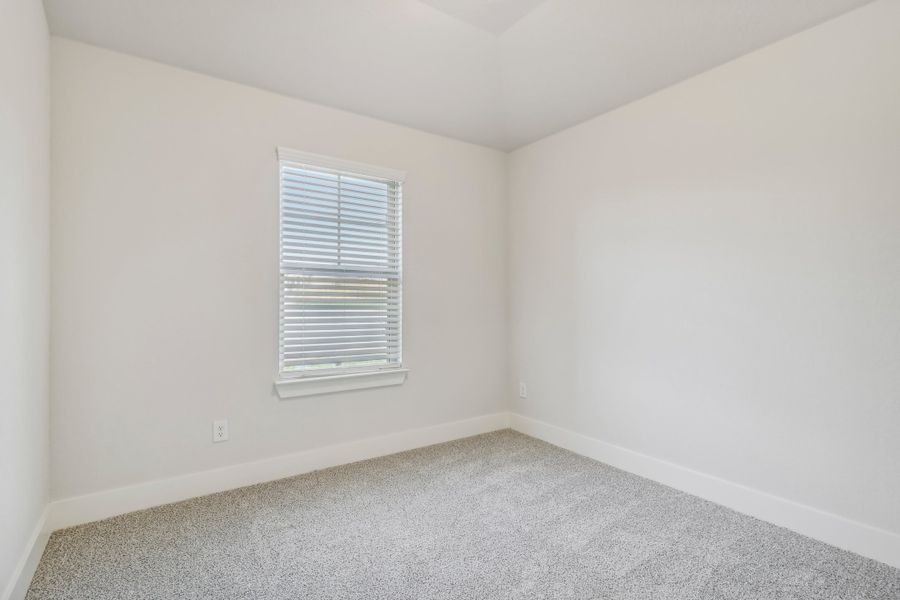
x,y
220,431
523,390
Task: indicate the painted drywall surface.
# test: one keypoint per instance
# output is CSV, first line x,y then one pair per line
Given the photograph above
x,y
711,275
165,273
24,275
563,62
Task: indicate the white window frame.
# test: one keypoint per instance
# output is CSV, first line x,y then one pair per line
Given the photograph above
x,y
291,385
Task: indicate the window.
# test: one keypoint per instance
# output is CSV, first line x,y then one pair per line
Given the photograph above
x,y
341,269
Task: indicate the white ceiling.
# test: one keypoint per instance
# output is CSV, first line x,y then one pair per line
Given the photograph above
x,y
495,16
501,73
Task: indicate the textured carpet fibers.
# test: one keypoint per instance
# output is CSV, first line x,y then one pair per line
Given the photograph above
x,y
495,516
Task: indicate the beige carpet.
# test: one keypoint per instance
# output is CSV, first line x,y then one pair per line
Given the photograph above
x,y
491,517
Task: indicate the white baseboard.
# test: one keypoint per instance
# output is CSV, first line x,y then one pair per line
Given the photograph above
x,y
109,503
31,556
866,540
872,542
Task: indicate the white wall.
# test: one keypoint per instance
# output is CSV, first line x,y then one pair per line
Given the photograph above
x,y
24,276
708,276
711,275
165,262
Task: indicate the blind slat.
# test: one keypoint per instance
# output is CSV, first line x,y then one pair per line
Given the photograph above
x,y
330,232
315,338
366,183
327,240
346,195
338,211
340,271
361,225
335,325
344,362
331,204
338,253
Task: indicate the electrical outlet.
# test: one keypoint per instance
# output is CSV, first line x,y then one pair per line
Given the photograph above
x,y
523,390
220,431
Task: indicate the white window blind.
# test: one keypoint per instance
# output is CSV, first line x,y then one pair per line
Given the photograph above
x,y
341,272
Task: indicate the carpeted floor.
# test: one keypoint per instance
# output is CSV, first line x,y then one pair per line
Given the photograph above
x,y
491,517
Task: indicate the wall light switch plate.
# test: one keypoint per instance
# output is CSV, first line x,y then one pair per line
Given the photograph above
x,y
523,390
220,431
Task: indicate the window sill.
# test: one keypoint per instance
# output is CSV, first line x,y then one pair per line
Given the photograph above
x,y
329,384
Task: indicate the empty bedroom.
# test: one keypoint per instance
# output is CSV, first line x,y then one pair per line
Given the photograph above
x,y
450,299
